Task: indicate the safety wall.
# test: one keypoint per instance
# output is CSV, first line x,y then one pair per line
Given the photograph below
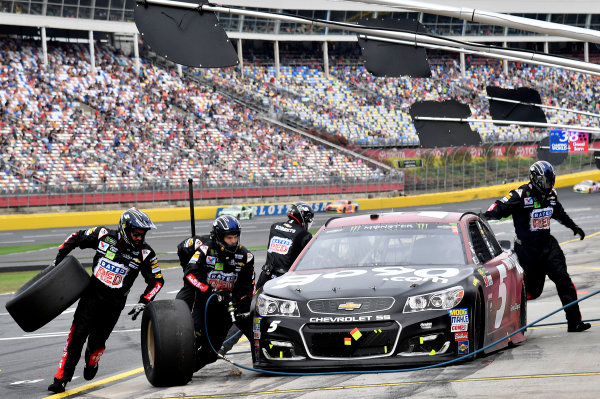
x,y
96,218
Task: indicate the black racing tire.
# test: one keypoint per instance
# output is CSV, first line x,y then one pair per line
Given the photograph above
x,y
168,345
476,327
48,294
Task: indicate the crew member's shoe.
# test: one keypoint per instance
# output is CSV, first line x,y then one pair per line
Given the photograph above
x,y
89,372
578,326
58,386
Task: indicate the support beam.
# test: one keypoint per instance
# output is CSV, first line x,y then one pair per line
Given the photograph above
x,y
276,55
326,59
240,57
136,52
92,53
44,48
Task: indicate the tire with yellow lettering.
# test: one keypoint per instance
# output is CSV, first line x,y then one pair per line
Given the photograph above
x,y
168,346
48,294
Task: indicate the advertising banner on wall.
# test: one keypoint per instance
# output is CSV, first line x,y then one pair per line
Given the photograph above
x,y
279,209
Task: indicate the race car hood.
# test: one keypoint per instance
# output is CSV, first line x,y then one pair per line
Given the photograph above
x,y
376,281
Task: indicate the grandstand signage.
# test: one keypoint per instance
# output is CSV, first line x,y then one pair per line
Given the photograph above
x,y
408,163
499,151
568,141
280,209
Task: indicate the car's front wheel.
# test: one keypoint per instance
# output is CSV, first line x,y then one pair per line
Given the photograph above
x,y
476,326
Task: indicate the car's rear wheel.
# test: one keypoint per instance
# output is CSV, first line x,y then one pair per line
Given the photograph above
x,y
167,340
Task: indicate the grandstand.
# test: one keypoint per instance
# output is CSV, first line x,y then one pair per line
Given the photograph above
x,y
82,111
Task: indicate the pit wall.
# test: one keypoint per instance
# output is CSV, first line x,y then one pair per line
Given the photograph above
x,y
110,218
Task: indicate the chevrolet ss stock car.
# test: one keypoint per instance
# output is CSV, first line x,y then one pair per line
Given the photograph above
x,y
390,289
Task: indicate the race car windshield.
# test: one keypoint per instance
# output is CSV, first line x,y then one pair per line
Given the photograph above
x,y
385,245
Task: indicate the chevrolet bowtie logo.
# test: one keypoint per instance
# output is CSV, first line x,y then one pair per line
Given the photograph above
x,y
349,306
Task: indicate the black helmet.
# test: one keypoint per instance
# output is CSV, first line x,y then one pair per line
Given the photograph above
x,y
302,213
226,225
542,176
133,218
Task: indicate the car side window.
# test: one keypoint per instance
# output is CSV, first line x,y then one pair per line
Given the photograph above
x,y
480,246
495,247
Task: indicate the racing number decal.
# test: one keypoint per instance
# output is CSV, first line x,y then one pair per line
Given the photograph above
x,y
501,295
273,325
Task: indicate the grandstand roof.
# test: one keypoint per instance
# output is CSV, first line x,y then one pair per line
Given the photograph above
x,y
505,6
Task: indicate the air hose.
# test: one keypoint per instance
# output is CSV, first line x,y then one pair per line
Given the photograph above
x,y
458,359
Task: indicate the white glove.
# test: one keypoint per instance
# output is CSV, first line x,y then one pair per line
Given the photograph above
x,y
137,309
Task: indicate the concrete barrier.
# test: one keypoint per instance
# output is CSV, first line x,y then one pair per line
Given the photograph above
x,y
110,218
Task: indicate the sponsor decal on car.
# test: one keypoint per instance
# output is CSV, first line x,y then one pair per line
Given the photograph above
x,y
459,327
390,273
426,325
347,319
256,324
463,347
461,336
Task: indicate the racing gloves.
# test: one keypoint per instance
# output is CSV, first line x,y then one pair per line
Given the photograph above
x,y
137,309
578,230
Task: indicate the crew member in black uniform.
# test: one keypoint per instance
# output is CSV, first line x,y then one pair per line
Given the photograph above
x,y
218,265
286,241
120,255
532,205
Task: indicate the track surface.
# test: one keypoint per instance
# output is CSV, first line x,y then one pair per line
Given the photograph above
x,y
551,363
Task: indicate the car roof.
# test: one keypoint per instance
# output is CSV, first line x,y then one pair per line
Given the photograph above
x,y
396,217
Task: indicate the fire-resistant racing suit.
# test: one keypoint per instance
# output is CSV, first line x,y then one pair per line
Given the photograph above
x,y
286,241
115,268
214,270
537,250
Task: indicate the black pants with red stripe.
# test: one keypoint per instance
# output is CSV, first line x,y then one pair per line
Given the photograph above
x,y
548,259
94,320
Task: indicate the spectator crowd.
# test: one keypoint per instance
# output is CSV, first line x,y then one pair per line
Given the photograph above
x,y
62,127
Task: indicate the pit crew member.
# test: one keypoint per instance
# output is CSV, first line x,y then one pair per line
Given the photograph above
x,y
120,255
286,241
532,205
219,265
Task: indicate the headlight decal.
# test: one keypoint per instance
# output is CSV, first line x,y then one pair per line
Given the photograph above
x,y
269,306
439,300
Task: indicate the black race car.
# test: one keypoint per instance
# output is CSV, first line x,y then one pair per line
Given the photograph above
x,y
390,289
